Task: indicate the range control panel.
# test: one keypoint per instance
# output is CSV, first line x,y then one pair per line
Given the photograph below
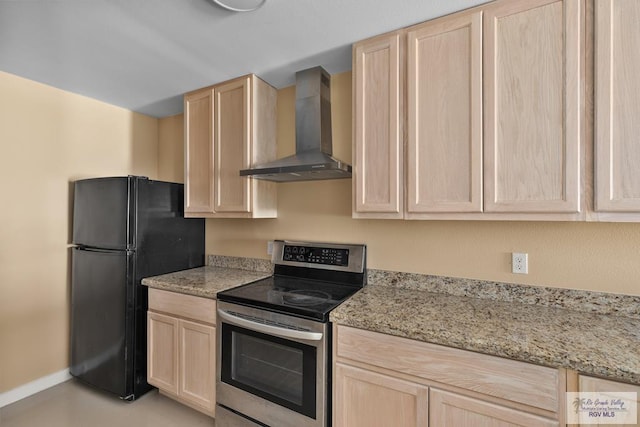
x,y
316,255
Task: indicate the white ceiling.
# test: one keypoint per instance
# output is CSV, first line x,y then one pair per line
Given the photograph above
x,y
144,54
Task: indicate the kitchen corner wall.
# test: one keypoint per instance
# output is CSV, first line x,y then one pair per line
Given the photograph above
x,y
49,139
592,256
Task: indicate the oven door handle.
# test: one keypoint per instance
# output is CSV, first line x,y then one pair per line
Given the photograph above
x,y
269,329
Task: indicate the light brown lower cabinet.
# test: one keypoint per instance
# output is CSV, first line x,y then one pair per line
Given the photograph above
x,y
382,380
181,347
609,390
451,409
364,398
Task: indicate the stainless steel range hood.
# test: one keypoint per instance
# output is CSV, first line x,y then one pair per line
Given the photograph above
x,y
313,160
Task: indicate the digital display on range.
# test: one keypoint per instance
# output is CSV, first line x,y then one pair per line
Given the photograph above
x,y
326,256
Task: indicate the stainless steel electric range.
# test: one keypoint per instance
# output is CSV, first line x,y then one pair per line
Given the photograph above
x,y
274,337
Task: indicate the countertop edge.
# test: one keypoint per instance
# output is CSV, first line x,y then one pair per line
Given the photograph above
x,y
204,281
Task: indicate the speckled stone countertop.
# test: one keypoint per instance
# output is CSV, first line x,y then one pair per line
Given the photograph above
x,y
603,345
204,281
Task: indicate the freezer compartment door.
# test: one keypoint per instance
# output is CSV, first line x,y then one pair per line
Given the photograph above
x,y
103,213
102,319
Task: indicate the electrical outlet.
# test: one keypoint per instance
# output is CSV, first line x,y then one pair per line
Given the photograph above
x,y
519,263
269,247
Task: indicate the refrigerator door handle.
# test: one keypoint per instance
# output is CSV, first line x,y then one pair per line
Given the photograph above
x,y
100,250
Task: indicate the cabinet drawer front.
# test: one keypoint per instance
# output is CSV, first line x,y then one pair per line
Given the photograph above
x,y
520,382
187,306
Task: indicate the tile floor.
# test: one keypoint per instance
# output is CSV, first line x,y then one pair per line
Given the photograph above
x,y
72,404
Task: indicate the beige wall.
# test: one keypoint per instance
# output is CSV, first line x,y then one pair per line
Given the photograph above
x,y
593,256
49,138
171,149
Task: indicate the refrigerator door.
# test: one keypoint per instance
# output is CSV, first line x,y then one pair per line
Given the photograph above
x,y
104,212
102,319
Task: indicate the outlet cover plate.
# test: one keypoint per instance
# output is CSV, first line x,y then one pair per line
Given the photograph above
x,y
519,263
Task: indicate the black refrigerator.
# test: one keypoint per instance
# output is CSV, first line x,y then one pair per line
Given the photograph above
x,y
124,229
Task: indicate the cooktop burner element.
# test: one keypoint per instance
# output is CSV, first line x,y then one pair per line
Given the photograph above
x,y
310,279
305,298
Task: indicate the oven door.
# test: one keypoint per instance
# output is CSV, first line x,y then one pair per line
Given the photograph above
x,y
272,367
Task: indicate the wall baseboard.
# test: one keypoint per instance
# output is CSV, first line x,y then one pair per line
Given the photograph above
x,y
34,387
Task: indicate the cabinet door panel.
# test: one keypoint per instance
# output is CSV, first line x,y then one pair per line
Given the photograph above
x,y
609,390
231,145
198,158
162,354
453,410
617,105
364,399
197,364
444,91
378,155
532,86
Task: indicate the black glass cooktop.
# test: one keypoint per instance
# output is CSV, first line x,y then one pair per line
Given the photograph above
x,y
307,298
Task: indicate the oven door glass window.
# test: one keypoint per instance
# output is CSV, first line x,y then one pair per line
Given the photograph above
x,y
276,369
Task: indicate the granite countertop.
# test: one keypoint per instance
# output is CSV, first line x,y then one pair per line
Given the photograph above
x,y
204,281
602,345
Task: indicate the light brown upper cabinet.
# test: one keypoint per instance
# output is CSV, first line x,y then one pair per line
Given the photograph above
x,y
617,109
378,178
444,115
493,109
229,127
198,141
532,82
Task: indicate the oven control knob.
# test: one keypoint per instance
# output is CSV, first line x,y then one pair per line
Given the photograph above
x,y
300,257
287,256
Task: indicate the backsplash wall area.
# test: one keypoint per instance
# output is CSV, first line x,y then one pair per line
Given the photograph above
x,y
590,256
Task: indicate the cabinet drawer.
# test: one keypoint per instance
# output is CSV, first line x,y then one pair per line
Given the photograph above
x,y
520,382
187,306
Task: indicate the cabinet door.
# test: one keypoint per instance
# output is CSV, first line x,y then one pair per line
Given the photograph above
x,y
453,410
232,121
444,115
608,390
378,182
617,105
162,354
363,399
532,80
197,364
198,156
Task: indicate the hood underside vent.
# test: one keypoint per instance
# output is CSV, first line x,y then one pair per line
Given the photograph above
x,y
313,159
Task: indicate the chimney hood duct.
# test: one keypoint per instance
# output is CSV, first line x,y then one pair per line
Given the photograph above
x,y
313,160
